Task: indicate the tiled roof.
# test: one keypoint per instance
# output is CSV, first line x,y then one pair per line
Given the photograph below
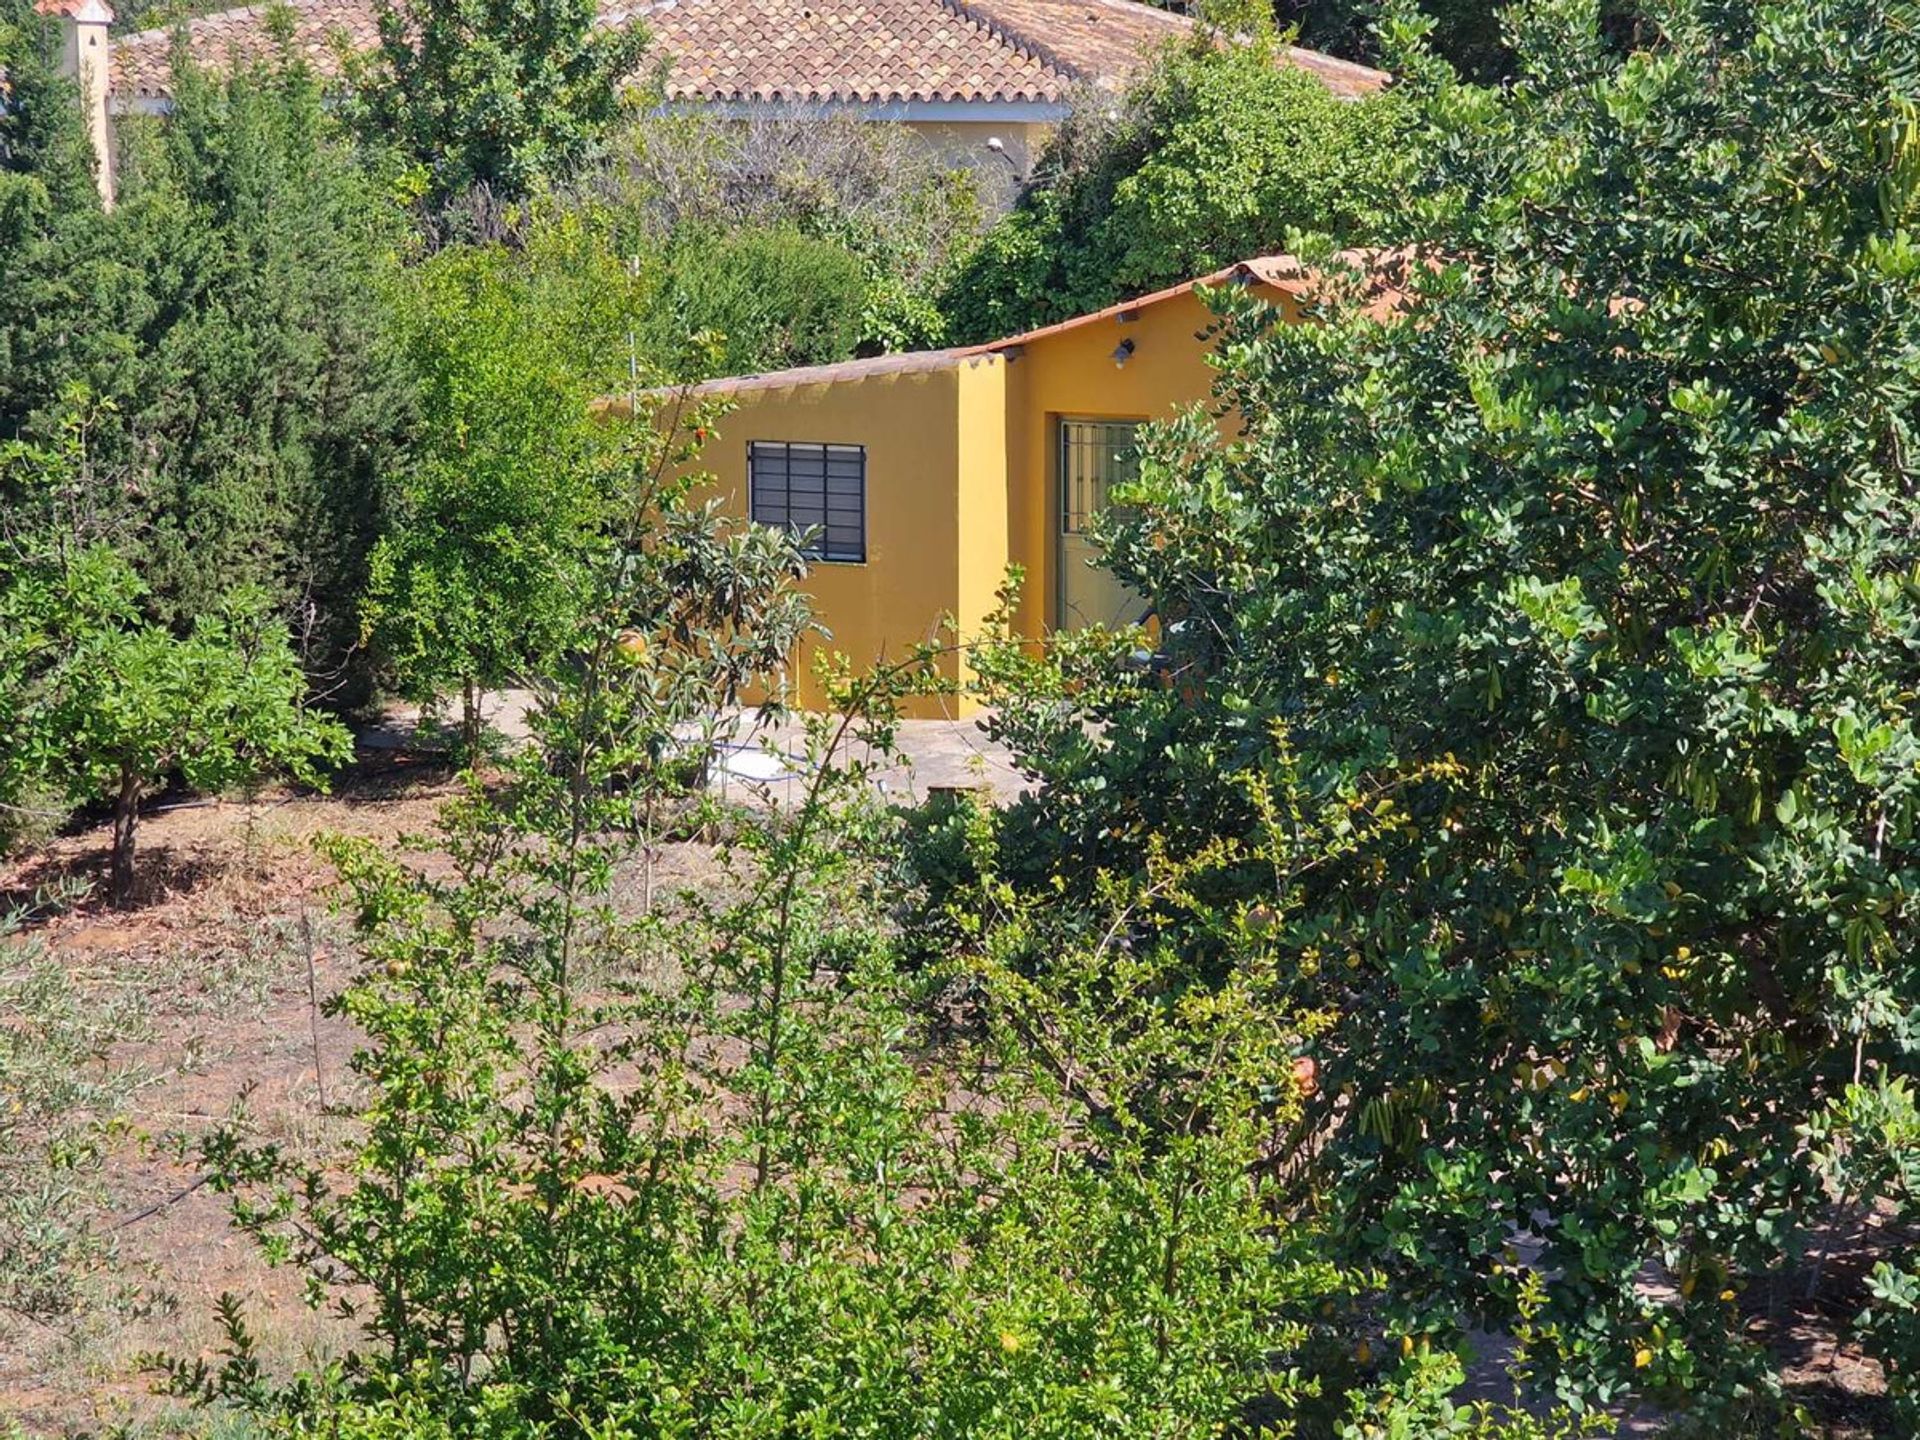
x,y
1383,288
1101,40
788,50
825,50
911,362
318,30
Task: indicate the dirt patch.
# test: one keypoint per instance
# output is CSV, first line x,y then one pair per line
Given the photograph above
x,y
214,952
228,942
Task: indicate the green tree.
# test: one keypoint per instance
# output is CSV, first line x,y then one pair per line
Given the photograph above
x,y
1216,155
1611,536
496,94
99,704
225,324
221,707
43,138
735,302
477,580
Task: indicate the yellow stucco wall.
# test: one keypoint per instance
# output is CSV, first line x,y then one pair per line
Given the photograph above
x,y
960,480
934,508
1071,374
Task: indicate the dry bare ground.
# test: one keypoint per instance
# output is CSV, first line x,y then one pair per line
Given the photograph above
x,y
208,975
214,955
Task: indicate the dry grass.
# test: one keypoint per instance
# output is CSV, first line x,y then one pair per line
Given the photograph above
x,y
212,958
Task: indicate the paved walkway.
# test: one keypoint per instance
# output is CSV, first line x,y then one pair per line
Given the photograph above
x,y
763,760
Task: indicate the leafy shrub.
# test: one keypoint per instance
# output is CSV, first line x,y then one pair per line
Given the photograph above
x,y
887,197
1606,537
772,299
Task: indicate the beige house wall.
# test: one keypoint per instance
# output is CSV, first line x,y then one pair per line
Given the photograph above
x,y
965,142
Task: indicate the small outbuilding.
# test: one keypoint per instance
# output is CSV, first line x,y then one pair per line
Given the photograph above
x,y
918,479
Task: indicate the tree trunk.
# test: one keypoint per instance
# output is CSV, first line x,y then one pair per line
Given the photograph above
x,y
126,824
470,721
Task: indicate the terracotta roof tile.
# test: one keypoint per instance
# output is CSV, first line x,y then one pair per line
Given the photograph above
x,y
781,50
319,31
1384,288
912,362
842,50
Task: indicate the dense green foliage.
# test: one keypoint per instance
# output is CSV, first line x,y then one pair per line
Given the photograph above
x,y
1588,587
770,298
478,571
498,94
101,704
1468,34
220,333
1216,155
1465,32
46,159
802,239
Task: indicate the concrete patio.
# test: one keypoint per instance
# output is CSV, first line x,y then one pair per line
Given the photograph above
x,y
763,760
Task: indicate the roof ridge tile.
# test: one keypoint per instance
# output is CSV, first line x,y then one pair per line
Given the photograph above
x,y
1013,39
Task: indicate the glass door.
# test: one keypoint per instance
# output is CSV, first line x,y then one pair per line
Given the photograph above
x,y
1092,457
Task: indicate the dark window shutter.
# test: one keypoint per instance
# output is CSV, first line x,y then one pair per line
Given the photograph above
x,y
815,492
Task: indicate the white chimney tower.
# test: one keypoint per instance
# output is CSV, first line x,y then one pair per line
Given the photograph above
x,y
86,57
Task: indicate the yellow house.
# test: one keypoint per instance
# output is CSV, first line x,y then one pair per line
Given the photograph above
x,y
920,478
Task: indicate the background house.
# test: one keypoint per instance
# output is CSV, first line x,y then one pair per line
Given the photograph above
x,y
960,72
920,478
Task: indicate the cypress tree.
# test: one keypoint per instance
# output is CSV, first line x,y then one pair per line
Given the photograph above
x,y
43,141
219,334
